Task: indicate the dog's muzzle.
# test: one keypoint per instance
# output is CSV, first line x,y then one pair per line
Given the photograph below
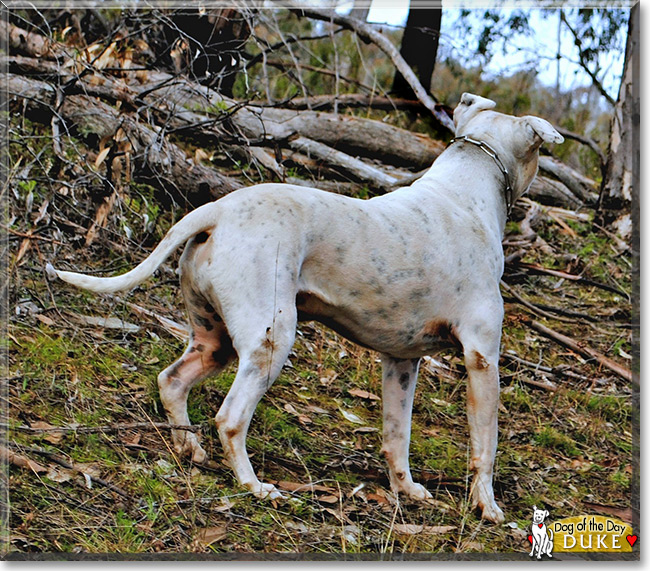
x,y
490,152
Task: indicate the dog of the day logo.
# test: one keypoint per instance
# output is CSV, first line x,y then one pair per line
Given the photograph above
x,y
578,534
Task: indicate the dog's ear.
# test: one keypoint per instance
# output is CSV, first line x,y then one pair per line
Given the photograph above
x,y
541,128
545,513
468,107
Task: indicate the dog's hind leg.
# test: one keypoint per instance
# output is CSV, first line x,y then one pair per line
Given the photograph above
x,y
398,386
262,352
208,352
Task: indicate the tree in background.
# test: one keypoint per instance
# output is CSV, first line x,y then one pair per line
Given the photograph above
x,y
623,159
419,47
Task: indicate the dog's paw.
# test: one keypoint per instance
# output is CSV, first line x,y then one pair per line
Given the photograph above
x,y
417,492
493,513
187,444
266,492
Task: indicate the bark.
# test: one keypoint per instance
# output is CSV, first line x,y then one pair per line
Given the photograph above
x,y
419,48
620,183
29,43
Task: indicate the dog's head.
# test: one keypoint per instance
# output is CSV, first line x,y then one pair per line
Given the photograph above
x,y
516,139
539,515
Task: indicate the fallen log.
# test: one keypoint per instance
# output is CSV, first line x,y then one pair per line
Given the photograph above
x,y
353,101
360,170
155,160
553,193
583,187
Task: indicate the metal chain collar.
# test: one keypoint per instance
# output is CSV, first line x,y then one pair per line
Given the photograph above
x,y
490,152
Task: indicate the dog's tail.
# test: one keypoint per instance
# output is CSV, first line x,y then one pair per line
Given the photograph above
x,y
199,220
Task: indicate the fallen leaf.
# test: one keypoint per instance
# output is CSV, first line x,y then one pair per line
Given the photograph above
x,y
52,437
363,394
302,418
60,474
108,323
328,377
208,535
317,409
365,429
21,461
45,319
329,499
377,498
351,417
102,156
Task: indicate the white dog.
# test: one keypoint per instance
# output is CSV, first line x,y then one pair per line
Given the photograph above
x,y
403,274
542,543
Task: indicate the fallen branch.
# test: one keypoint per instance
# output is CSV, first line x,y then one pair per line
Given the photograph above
x,y
531,306
561,371
571,277
581,349
103,429
353,101
360,170
70,466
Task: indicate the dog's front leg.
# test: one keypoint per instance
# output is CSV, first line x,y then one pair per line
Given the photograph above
x,y
399,380
482,410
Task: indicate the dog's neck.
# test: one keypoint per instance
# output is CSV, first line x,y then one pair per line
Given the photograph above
x,y
483,185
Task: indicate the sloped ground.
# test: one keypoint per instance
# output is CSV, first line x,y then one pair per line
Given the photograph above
x,y
111,483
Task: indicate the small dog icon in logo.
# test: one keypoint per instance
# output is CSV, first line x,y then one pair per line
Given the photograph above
x,y
542,542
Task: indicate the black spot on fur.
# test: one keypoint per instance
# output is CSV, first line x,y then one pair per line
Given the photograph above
x,y
404,380
201,237
208,308
203,322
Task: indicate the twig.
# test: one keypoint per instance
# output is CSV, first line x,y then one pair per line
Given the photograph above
x,y
582,349
532,307
593,145
572,277
106,429
561,371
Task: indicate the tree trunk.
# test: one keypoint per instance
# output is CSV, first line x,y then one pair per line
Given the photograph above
x,y
621,183
207,45
419,48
